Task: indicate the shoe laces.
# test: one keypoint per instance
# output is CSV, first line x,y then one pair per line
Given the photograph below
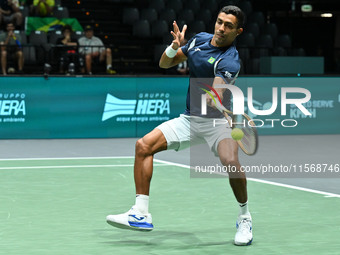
x,y
244,225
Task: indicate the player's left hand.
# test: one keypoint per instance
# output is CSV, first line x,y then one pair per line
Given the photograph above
x,y
178,35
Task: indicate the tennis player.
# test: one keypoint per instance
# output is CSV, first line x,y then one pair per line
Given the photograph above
x,y
208,55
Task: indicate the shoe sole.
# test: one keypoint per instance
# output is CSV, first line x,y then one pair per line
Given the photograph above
x,y
122,226
244,244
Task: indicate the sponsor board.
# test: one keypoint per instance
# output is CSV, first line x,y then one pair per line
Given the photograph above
x,y
12,107
100,107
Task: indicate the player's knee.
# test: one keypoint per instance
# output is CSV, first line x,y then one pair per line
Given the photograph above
x,y
108,51
142,149
230,162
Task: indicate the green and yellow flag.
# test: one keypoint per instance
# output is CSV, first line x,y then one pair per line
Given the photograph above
x,y
50,24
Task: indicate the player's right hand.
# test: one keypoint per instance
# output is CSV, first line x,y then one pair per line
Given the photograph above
x,y
178,36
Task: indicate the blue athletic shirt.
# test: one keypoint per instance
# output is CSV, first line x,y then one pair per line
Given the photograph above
x,y
208,61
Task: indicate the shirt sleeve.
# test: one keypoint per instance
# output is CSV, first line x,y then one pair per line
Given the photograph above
x,y
189,45
228,69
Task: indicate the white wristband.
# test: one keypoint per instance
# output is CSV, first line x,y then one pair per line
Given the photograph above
x,y
170,52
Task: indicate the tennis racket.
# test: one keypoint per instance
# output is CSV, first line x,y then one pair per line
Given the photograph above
x,y
249,141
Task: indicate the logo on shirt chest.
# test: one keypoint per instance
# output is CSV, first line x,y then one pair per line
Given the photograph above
x,y
211,60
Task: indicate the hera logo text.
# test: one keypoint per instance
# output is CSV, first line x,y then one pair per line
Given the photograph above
x,y
147,104
12,104
12,107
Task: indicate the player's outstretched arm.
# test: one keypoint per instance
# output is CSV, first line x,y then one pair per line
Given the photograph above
x,y
173,55
217,81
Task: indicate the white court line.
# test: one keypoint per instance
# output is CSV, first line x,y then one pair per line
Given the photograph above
x,y
325,194
172,163
72,158
73,166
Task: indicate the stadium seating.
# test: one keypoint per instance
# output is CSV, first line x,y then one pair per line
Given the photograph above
x,y
130,15
270,29
246,7
197,26
61,13
211,5
158,5
193,5
28,51
256,17
265,41
141,29
253,28
169,15
132,27
284,41
245,40
40,41
176,5
205,16
149,14
159,28
54,36
187,15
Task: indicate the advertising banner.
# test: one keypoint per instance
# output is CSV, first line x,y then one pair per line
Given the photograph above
x,y
100,107
66,107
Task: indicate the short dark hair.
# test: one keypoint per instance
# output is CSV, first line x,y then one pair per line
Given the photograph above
x,y
67,27
237,12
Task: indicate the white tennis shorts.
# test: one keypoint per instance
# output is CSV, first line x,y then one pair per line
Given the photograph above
x,y
186,131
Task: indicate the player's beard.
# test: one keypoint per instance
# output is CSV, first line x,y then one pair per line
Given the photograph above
x,y
220,41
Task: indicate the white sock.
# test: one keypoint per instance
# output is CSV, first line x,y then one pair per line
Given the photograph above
x,y
108,66
244,208
142,203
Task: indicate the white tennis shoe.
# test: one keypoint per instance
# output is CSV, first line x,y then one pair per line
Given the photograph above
x,y
133,219
244,235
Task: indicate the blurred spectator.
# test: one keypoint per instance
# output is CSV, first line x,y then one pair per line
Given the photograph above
x,y
43,8
93,49
68,52
11,46
10,12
